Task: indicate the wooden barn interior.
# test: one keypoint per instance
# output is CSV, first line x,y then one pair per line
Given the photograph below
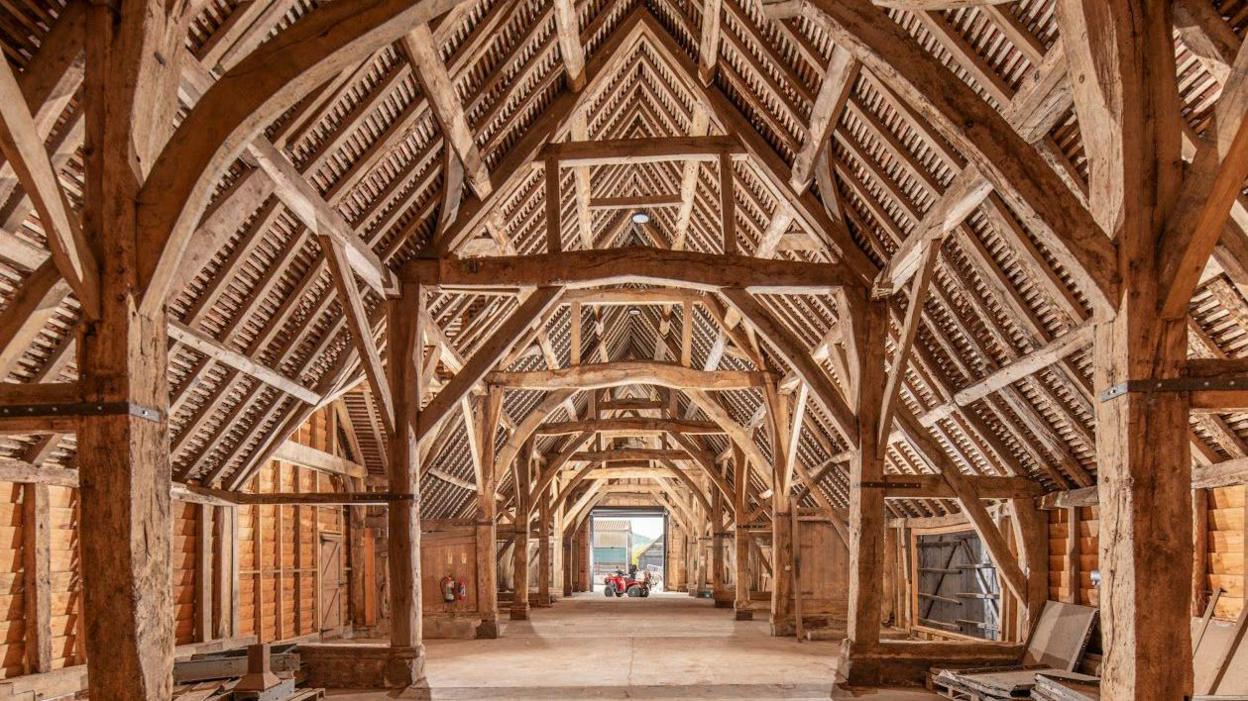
x,y
336,334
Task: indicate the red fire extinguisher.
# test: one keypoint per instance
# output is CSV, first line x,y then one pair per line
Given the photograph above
x,y
448,585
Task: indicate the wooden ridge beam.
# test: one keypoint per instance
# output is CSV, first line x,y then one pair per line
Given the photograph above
x,y
639,151
630,426
627,372
688,269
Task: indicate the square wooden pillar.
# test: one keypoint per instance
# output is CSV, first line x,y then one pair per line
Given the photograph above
x,y
520,602
866,323
545,570
740,539
125,527
405,667
487,528
1121,60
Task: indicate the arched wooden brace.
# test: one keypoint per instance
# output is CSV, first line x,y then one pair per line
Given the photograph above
x,y
1014,167
556,464
240,104
554,400
708,464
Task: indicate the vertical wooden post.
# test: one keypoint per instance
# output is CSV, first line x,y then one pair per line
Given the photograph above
x,y
359,580
1071,556
405,351
686,337
1032,536
520,602
37,577
487,533
544,566
719,589
782,591
225,572
1200,547
125,528
204,549
866,325
1122,67
574,331
554,208
727,204
741,542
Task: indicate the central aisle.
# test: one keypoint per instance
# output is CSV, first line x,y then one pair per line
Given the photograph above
x,y
668,646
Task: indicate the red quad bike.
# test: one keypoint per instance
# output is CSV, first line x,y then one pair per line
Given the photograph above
x,y
620,584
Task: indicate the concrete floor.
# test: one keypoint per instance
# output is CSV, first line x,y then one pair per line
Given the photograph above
x,y
668,646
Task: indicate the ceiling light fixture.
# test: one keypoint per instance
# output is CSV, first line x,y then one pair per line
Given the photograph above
x,y
634,311
641,218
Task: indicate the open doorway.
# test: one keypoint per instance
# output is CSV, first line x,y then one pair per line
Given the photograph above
x,y
628,546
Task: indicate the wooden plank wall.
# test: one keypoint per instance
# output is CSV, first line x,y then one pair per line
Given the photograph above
x,y
1219,531
287,581
280,548
185,544
1086,559
1225,545
12,643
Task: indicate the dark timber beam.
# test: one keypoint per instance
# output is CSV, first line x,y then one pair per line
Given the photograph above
x,y
704,271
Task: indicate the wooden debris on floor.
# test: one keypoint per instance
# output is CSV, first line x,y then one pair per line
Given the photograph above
x,y
1221,657
254,673
1066,687
1055,647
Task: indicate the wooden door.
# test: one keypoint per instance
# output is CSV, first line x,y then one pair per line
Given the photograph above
x,y
331,584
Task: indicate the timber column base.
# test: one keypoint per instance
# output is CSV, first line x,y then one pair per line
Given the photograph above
x,y
519,608
782,626
724,598
744,615
366,667
489,629
906,662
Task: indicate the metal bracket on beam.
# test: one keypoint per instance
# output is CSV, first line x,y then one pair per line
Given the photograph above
x,y
82,409
1175,384
890,484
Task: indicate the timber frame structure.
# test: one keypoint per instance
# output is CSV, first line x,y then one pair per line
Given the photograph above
x,y
902,261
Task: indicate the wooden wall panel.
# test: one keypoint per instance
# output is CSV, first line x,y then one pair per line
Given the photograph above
x,y
185,541
1086,534
12,605
450,551
824,570
1226,549
68,643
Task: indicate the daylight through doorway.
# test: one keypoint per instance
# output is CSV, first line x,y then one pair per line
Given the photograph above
x,y
628,551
